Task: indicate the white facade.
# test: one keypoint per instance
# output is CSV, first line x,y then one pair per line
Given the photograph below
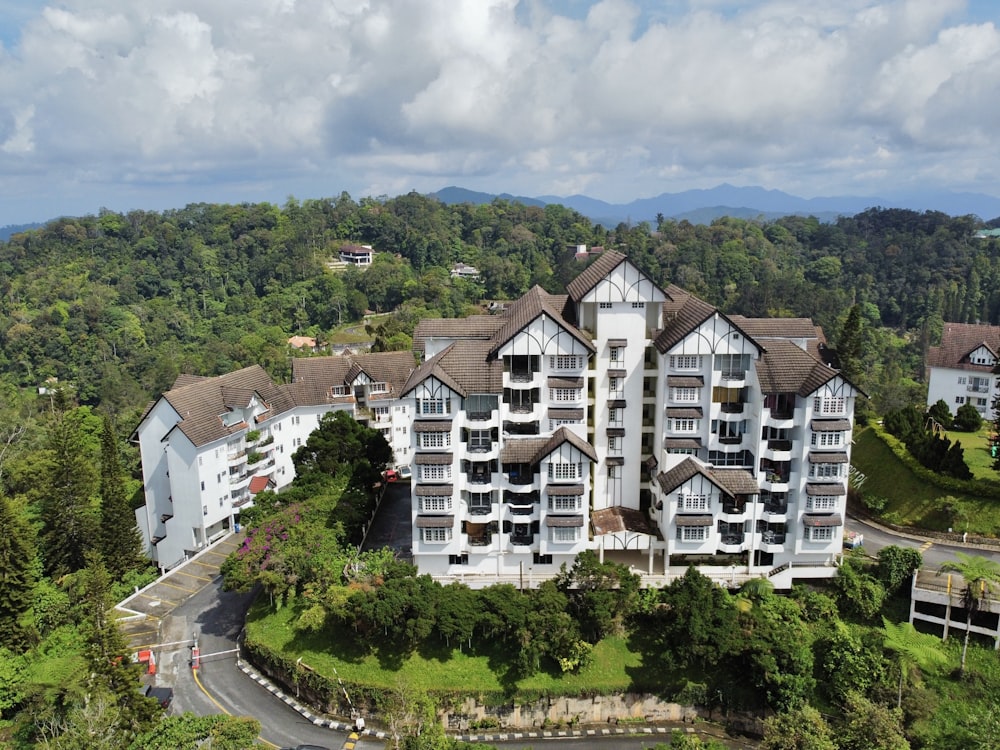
x,y
965,368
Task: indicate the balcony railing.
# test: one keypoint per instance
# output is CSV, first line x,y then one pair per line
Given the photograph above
x,y
783,413
732,539
731,408
478,416
522,408
779,445
776,508
521,539
522,376
978,389
480,510
731,439
773,537
733,374
522,510
480,541
521,479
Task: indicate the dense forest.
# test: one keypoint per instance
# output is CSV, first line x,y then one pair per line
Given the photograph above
x,y
99,314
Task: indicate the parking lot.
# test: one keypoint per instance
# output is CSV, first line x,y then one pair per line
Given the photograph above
x,y
392,525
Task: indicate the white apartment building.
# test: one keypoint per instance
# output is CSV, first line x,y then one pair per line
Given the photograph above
x,y
622,417
965,369
633,420
208,445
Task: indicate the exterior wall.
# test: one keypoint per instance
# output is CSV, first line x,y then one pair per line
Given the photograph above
x,y
957,386
156,480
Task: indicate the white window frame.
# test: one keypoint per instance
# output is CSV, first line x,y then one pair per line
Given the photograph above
x,y
604,306
826,471
829,404
433,406
436,504
822,533
565,534
822,503
436,535
564,503
692,533
684,395
826,439
685,362
563,470
684,424
435,439
435,472
694,502
615,354
564,362
564,394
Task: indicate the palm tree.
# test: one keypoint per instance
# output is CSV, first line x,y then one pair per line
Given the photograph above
x,y
912,649
981,575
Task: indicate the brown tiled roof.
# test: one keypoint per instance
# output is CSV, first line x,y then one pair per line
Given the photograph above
x,y
686,443
833,519
432,459
785,368
615,460
187,379
259,483
958,340
736,481
777,328
564,490
565,413
616,519
685,381
827,458
564,382
521,450
616,432
560,436
693,520
313,377
435,522
684,412
731,481
564,521
682,313
465,367
829,425
528,307
433,490
825,489
201,403
473,327
441,425
591,276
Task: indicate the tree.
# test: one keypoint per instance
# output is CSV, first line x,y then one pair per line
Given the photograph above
x,y
17,579
981,576
190,732
912,650
941,413
967,418
870,726
601,594
67,483
896,564
799,729
121,542
858,592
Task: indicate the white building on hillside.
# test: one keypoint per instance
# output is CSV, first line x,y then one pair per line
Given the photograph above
x,y
965,369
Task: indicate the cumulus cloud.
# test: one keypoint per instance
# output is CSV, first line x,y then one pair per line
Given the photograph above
x,y
536,96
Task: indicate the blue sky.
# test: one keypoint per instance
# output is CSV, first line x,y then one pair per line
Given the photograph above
x,y
118,104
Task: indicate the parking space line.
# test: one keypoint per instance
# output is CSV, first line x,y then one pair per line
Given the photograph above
x,y
160,599
191,575
175,586
926,546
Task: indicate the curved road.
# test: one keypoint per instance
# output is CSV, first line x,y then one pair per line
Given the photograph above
x,y
218,617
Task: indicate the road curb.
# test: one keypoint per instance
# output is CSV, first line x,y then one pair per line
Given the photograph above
x,y
301,708
557,734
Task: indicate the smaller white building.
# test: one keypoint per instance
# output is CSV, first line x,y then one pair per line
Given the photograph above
x,y
357,255
462,271
965,368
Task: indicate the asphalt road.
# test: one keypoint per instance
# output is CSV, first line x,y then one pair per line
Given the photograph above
x,y
218,617
934,553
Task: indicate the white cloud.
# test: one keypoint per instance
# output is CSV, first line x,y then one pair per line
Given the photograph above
x,y
616,97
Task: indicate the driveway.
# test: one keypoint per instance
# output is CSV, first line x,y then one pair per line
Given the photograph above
x,y
392,526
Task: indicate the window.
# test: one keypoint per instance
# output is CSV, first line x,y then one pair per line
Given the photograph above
x,y
480,440
825,471
555,424
295,420
386,432
684,394
614,383
832,405
821,533
381,412
693,502
826,439
378,388
564,471
204,510
604,305
296,442
564,394
692,533
538,559
433,406
462,559
685,362
980,402
684,425
614,472
615,415
435,536
821,503
435,504
564,362
435,439
731,366
480,503
614,444
199,460
203,484
221,500
638,306
565,534
959,399
564,503
961,380
340,390
435,473
616,354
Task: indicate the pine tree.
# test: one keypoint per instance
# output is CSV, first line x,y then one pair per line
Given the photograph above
x,y
121,543
68,481
17,579
995,438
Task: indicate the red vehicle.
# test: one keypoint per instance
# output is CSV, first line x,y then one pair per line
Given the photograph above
x,y
390,475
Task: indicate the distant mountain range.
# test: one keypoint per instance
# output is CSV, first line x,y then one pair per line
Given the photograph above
x,y
12,229
702,206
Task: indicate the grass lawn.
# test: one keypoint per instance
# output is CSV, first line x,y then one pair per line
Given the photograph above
x,y
913,501
615,666
977,451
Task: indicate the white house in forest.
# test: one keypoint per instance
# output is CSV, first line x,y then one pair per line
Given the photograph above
x,y
965,368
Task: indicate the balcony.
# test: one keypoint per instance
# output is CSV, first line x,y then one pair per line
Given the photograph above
x,y
776,509
478,416
731,408
521,510
480,510
522,540
772,537
482,540
731,439
731,539
522,376
478,477
166,517
730,375
779,445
